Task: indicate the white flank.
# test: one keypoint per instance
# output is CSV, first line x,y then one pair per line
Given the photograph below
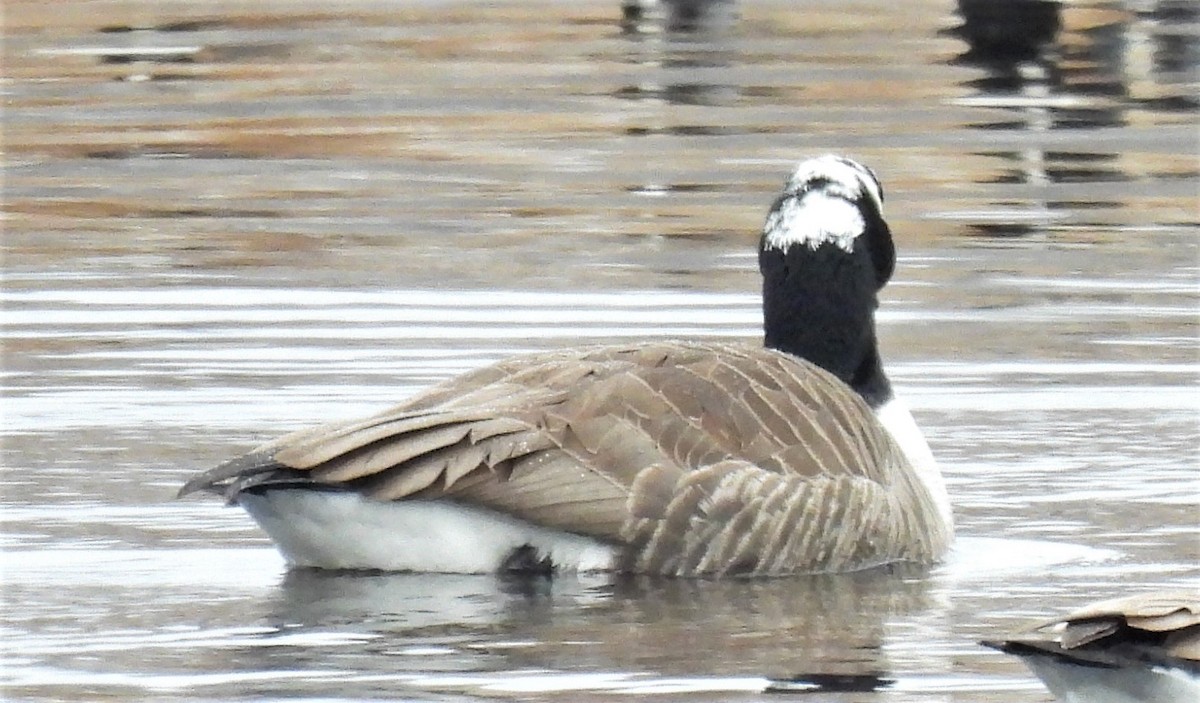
x,y
812,220
898,421
343,530
1075,683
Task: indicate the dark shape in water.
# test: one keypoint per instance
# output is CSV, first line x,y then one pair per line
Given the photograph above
x,y
677,15
831,683
1017,30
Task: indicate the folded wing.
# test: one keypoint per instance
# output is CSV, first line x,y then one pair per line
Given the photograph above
x,y
698,458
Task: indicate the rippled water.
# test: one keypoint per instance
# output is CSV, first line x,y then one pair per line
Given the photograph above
x,y
223,221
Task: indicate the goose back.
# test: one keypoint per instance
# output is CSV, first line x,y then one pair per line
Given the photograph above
x,y
689,458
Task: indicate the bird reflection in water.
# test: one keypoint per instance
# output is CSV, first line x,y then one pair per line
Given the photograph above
x,y
817,633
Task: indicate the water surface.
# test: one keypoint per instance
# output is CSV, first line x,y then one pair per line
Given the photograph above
x,y
225,221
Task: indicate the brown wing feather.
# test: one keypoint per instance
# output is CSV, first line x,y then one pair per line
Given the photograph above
x,y
1160,628
1174,614
702,458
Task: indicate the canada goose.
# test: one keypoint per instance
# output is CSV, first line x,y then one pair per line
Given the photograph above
x,y
672,458
1141,648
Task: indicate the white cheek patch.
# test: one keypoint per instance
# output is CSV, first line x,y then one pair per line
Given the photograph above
x,y
812,220
848,178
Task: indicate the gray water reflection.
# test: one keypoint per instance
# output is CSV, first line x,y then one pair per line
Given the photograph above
x,y
223,222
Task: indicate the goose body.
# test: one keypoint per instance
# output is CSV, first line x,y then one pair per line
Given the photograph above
x,y
1143,648
673,458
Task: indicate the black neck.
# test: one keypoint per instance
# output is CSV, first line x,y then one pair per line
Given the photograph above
x,y
819,305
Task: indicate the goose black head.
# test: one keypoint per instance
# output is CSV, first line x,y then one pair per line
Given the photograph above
x,y
824,254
